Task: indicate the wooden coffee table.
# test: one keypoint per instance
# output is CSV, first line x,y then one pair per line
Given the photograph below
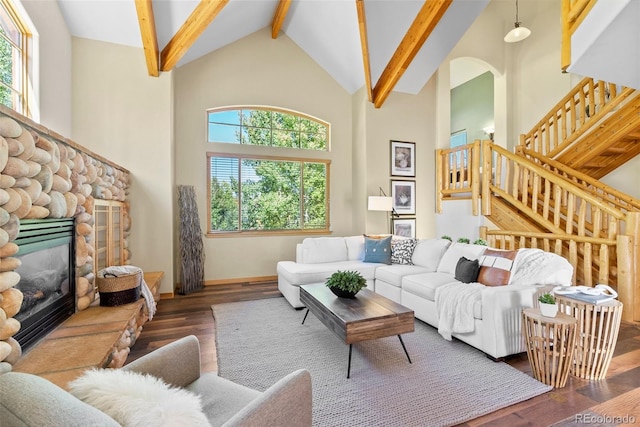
x,y
368,316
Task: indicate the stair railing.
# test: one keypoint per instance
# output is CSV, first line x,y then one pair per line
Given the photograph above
x,y
545,197
615,198
582,108
590,257
458,174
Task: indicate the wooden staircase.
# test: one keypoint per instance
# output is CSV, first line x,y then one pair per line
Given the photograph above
x,y
548,195
611,143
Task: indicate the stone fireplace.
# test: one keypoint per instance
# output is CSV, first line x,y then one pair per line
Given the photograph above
x,y
47,277
48,179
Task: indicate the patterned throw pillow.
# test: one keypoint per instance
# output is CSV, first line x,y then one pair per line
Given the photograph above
x,y
402,251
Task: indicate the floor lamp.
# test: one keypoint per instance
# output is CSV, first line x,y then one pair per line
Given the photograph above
x,y
382,203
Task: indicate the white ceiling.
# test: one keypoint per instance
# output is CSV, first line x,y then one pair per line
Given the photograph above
x,y
327,30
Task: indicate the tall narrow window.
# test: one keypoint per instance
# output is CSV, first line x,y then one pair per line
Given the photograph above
x,y
14,37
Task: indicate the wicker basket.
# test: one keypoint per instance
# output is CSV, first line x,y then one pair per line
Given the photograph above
x,y
120,290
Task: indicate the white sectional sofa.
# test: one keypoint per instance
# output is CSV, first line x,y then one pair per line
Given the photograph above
x,y
486,317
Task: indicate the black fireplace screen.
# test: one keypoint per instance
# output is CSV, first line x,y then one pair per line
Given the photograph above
x,y
47,278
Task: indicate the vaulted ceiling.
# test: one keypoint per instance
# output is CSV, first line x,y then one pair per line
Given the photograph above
x,y
383,45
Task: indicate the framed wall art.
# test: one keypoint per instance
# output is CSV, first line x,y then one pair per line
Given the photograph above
x,y
403,195
404,227
403,158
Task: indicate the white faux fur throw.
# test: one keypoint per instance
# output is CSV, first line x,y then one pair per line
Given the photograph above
x,y
138,400
454,304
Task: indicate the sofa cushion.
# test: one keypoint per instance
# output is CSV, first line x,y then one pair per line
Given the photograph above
x,y
425,284
316,250
467,270
496,267
455,252
377,250
304,274
29,400
393,274
355,248
402,250
428,252
138,400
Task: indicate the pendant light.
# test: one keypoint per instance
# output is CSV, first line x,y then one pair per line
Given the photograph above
x,y
518,33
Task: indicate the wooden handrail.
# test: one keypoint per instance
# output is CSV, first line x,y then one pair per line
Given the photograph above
x,y
555,179
591,257
458,173
621,200
583,107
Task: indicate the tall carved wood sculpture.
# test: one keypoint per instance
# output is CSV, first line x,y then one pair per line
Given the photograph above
x,y
191,246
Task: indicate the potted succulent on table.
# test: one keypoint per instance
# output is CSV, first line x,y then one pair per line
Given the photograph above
x,y
548,306
346,284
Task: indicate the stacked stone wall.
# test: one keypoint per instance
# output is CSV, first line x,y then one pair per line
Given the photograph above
x,y
45,175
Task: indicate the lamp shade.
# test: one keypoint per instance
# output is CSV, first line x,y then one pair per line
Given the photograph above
x,y
517,34
380,203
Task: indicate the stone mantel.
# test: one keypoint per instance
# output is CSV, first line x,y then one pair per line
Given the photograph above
x,y
46,175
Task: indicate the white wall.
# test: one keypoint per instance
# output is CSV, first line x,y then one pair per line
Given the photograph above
x,y
409,118
126,116
258,70
54,88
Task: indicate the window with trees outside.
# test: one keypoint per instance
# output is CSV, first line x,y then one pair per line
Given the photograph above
x,y
268,193
14,41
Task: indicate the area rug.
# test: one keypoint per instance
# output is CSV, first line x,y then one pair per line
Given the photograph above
x,y
449,382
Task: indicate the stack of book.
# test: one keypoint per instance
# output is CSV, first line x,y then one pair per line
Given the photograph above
x,y
596,295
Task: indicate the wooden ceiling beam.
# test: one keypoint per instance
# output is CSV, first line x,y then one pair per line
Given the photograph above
x,y
147,23
364,43
279,17
422,26
204,13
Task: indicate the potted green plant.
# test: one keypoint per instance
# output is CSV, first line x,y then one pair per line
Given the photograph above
x,y
346,284
548,306
480,242
444,236
463,240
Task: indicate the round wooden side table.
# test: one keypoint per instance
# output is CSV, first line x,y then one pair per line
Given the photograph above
x,y
596,337
550,344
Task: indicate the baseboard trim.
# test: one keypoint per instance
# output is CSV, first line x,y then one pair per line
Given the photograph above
x,y
248,280
167,295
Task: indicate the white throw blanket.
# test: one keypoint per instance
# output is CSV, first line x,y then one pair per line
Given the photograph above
x,y
537,267
123,270
454,304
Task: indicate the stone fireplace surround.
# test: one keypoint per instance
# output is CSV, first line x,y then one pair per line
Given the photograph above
x,y
45,175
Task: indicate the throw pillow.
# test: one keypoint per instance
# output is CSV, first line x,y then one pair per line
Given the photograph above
x,y
467,270
402,251
495,267
134,399
377,250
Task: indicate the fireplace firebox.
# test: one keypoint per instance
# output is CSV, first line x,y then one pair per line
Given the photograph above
x,y
47,277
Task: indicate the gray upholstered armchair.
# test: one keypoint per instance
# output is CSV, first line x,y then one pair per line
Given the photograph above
x,y
28,400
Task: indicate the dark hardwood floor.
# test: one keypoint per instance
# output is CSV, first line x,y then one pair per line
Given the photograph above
x,y
616,396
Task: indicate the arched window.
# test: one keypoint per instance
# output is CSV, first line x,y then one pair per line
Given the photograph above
x,y
274,193
14,42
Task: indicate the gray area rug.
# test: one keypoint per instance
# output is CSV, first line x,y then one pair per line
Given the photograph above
x,y
259,342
